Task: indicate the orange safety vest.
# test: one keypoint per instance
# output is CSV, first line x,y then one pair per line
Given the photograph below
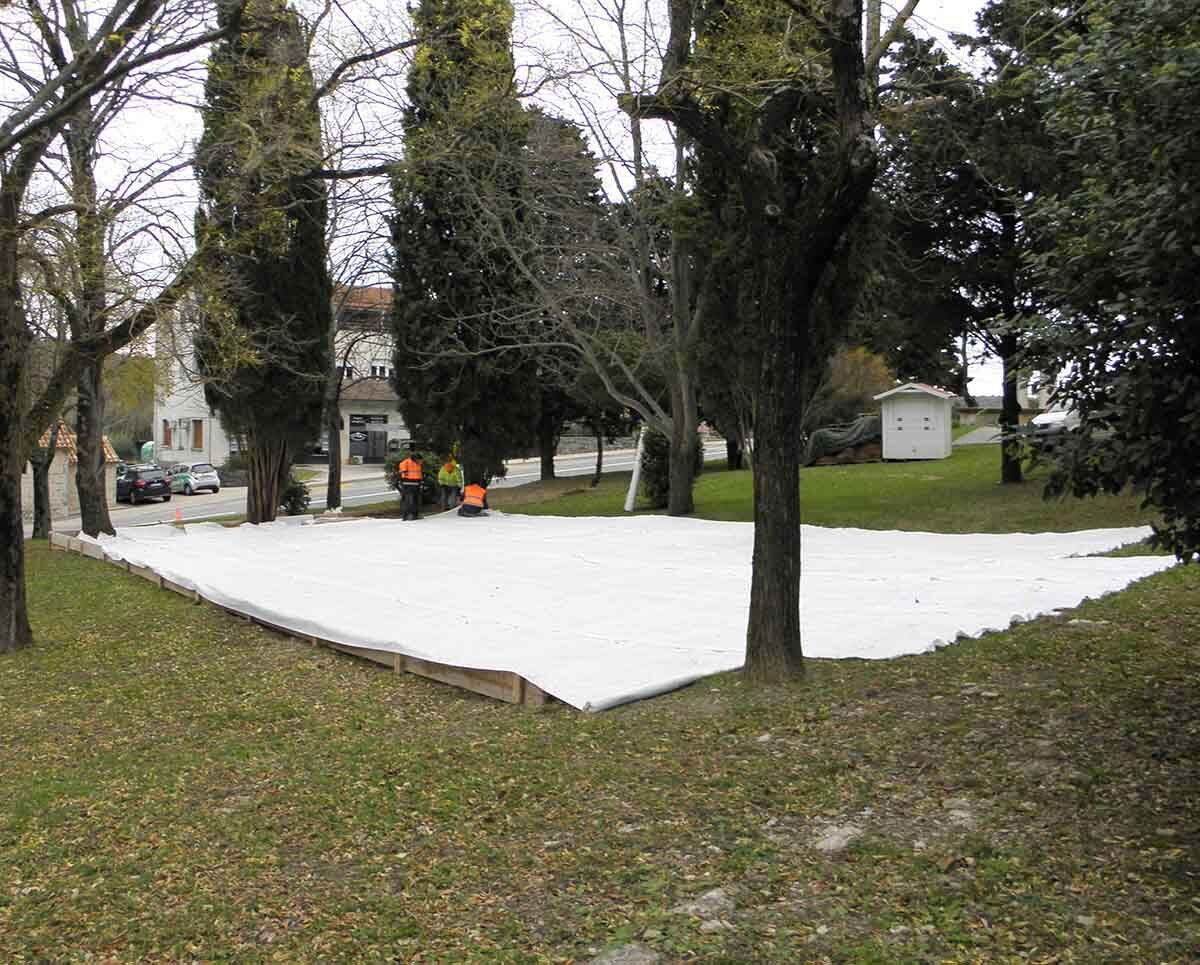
x,y
474,495
410,470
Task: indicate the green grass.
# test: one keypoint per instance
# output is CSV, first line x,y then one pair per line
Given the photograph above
x,y
961,494
956,495
179,785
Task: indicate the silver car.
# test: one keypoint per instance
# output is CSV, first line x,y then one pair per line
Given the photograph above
x,y
194,477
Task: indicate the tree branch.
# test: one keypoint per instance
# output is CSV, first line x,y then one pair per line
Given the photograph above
x,y
875,54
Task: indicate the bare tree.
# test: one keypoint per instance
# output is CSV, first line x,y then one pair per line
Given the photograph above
x,y
122,38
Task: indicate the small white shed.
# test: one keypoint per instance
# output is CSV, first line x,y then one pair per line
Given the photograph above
x,y
916,421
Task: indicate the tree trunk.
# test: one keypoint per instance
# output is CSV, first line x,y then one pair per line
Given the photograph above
x,y
1010,413
682,455
599,433
734,453
268,461
965,376
773,643
92,316
89,443
333,485
15,631
548,426
41,460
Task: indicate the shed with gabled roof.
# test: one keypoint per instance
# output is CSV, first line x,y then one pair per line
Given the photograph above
x,y
917,421
64,497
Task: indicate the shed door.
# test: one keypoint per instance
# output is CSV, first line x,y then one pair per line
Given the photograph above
x,y
912,425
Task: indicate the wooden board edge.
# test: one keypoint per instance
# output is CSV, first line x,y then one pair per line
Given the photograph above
x,y
181,590
497,684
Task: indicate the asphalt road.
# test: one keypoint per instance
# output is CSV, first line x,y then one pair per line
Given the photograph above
x,y
231,501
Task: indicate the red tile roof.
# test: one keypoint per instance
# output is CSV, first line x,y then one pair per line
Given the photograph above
x,y
66,440
363,299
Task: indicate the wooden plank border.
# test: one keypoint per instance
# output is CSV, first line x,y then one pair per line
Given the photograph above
x,y
497,684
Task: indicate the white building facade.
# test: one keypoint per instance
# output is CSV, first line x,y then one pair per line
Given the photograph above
x,y
187,430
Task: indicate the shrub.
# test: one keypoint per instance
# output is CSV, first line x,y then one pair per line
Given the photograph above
x,y
236,471
294,499
656,466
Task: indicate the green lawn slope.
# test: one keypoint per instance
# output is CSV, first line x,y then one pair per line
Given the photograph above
x,y
178,785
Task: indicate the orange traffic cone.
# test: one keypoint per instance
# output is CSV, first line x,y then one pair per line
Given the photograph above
x,y
178,516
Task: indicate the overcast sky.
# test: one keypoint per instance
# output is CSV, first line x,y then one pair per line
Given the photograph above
x,y
158,128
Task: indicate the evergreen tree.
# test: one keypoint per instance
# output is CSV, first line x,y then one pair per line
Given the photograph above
x,y
959,176
456,215
263,342
1123,331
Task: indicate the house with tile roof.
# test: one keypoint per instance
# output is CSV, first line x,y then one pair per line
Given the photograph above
x,y
187,430
64,496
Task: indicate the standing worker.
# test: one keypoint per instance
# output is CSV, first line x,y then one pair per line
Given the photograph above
x,y
450,480
410,471
474,499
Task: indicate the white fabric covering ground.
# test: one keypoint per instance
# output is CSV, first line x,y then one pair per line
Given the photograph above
x,y
602,611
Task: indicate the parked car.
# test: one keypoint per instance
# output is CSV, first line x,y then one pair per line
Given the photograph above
x,y
1048,430
142,482
194,477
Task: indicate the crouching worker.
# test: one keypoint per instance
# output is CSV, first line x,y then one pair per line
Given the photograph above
x,y
474,500
410,471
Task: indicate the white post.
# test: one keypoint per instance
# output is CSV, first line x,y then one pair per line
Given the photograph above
x,y
631,496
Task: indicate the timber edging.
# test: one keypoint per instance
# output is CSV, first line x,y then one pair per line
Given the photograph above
x,y
498,684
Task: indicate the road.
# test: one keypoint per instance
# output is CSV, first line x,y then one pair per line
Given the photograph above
x,y
365,485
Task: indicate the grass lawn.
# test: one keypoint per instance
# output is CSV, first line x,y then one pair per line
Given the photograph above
x,y
956,495
180,785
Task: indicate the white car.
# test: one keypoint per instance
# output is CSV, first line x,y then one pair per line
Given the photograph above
x,y
193,477
1056,420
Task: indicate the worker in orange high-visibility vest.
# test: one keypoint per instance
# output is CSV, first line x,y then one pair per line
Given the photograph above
x,y
474,500
410,471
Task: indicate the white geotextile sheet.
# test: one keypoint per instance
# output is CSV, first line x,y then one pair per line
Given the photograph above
x,y
600,611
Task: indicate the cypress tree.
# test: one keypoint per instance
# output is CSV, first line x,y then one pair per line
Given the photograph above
x,y
263,342
458,371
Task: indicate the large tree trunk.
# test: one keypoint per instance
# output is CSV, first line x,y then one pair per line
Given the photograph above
x,y
89,443
15,631
682,455
41,460
1010,413
92,315
333,485
773,644
268,461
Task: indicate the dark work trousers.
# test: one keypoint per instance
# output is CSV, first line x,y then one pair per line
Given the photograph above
x,y
449,497
410,500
